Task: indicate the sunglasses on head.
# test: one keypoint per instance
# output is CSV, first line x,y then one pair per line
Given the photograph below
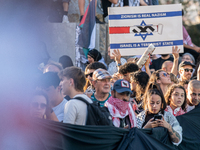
x,y
89,74
36,105
165,74
187,70
125,93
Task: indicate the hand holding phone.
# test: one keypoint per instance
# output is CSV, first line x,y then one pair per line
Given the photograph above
x,y
156,117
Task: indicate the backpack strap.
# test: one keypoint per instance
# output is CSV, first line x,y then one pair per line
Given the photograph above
x,y
82,99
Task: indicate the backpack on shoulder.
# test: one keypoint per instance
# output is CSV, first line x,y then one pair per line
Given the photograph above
x,y
96,115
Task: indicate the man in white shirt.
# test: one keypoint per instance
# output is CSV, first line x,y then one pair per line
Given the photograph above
x,y
72,83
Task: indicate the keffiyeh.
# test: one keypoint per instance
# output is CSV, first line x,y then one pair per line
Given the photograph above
x,y
120,109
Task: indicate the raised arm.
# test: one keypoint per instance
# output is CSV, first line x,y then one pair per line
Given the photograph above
x,y
175,53
147,66
117,55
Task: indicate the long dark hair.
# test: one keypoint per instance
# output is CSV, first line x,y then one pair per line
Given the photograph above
x,y
141,79
152,89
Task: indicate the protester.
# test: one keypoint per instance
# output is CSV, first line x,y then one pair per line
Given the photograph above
x,y
126,69
157,63
176,100
154,104
72,82
94,55
167,66
39,102
193,94
119,106
39,107
161,78
113,67
101,82
89,88
186,70
139,81
49,83
66,61
188,57
52,66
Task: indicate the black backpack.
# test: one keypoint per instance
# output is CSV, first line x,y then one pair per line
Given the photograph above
x,y
96,115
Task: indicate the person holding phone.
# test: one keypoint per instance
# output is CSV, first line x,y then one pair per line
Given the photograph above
x,y
154,114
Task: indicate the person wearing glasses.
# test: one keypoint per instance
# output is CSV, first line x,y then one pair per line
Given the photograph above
x,y
101,80
39,106
89,88
186,70
120,108
161,78
49,83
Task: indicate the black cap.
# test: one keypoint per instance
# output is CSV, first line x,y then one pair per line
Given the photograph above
x,y
184,63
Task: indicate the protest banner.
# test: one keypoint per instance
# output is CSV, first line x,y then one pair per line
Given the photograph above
x,y
132,29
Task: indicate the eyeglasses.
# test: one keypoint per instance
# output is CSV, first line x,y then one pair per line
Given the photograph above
x,y
89,74
187,70
165,74
36,105
125,93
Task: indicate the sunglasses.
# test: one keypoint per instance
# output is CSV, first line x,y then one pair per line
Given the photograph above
x,y
187,70
165,74
36,105
89,74
125,93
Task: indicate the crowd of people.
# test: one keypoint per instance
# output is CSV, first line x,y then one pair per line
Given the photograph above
x,y
134,98
168,85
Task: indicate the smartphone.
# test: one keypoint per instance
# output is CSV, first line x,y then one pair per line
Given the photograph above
x,y
157,117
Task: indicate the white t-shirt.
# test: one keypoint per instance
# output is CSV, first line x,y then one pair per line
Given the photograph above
x,y
59,110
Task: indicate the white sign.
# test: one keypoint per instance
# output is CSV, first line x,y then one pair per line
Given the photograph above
x,y
132,29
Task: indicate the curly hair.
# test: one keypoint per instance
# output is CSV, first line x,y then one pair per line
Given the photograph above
x,y
128,68
169,94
